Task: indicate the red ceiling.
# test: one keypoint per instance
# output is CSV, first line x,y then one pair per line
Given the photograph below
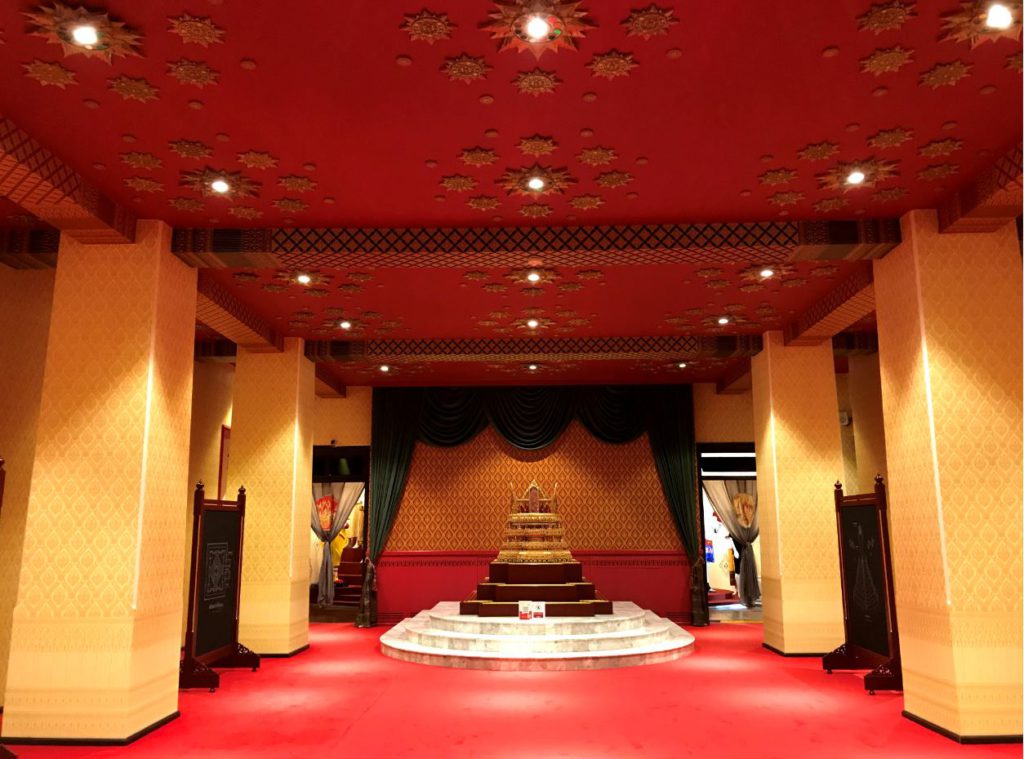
x,y
613,301
319,86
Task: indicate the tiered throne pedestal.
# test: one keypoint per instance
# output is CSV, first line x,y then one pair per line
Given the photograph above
x,y
535,564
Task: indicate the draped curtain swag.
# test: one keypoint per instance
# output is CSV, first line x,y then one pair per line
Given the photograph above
x,y
735,503
345,495
529,418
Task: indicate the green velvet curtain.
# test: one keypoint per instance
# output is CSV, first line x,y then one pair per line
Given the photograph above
x,y
530,418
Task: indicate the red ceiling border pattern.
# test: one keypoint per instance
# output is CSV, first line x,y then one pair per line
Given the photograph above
x,y
441,247
29,248
234,319
991,201
802,330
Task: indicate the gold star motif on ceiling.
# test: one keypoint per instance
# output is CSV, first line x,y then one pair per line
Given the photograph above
x,y
186,204
190,149
295,183
144,184
612,64
945,74
458,183
49,74
483,203
536,82
465,68
818,151
890,138
886,60
257,159
786,198
597,156
556,180
968,24
777,176
428,27
537,145
566,21
56,22
648,22
884,17
196,30
830,204
245,212
586,202
200,179
614,179
291,204
196,73
1015,62
141,160
889,193
133,88
875,170
478,156
940,148
938,171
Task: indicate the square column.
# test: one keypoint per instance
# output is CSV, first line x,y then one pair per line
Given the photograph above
x,y
799,458
949,335
865,393
272,456
95,637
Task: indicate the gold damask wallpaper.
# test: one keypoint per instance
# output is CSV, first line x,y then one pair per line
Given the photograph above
x,y
720,418
457,499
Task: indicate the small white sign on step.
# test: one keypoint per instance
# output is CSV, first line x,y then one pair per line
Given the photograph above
x,y
532,610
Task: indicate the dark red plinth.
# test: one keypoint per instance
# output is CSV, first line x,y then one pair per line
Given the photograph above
x,y
559,585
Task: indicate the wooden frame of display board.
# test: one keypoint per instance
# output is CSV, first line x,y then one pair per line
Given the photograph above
x,y
211,634
869,604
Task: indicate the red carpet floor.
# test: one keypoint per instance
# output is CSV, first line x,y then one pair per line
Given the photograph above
x,y
730,698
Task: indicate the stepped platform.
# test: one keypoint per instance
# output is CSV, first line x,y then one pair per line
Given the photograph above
x,y
625,636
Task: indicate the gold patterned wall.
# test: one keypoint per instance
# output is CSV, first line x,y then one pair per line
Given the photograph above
x,y
346,420
271,455
458,499
799,457
111,462
949,331
722,418
25,299
865,392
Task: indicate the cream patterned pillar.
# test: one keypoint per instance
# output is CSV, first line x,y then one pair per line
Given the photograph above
x,y
95,639
271,455
799,458
865,393
949,336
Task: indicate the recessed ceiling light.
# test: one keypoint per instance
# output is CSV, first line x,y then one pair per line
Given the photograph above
x,y
723,319
855,177
535,183
85,35
533,276
537,28
303,279
346,324
532,323
681,364
533,367
219,186
998,17
767,273
385,368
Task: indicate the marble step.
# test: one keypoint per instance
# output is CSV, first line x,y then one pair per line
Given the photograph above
x,y
654,632
445,616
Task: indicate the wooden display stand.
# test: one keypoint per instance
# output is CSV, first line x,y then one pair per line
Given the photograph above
x,y
214,590
869,605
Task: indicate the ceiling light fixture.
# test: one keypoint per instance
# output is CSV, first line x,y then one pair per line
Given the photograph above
x,y
537,28
533,277
681,364
385,368
855,177
999,16
303,279
346,324
533,367
767,273
723,319
535,183
219,186
532,323
85,35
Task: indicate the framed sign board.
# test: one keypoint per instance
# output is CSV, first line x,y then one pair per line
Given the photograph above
x,y
211,634
869,606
